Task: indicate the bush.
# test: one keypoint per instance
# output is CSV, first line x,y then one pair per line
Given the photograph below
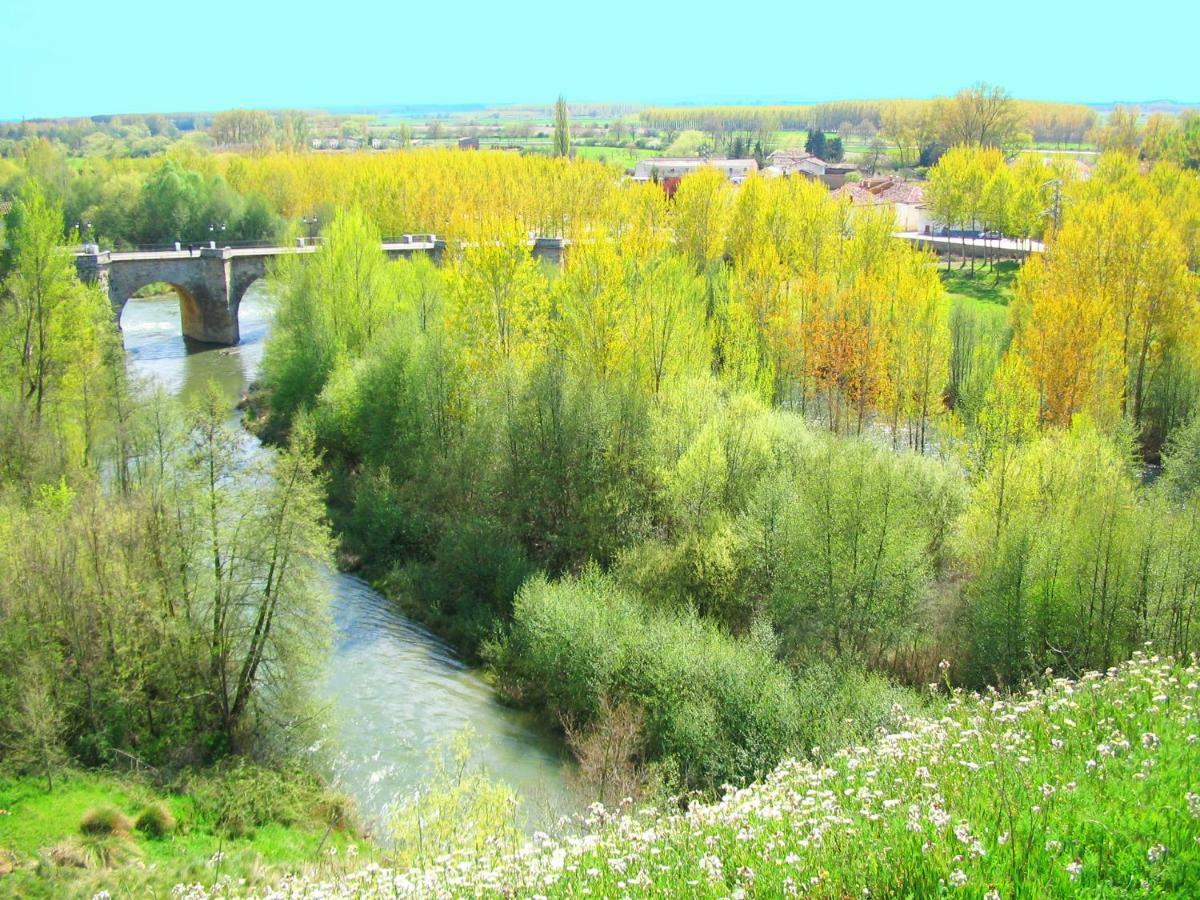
x,y
238,797
105,820
722,709
155,821
476,572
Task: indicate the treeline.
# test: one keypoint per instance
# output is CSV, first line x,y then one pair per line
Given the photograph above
x,y
440,191
108,136
824,116
159,599
705,434
124,203
899,121
1159,137
137,136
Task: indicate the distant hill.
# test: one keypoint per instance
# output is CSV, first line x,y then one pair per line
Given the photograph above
x,y
1173,107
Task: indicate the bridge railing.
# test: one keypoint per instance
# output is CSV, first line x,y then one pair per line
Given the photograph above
x,y
197,246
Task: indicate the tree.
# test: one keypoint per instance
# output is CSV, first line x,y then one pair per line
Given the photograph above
x,y
1185,143
294,131
1098,314
982,116
254,127
1119,131
330,309
1007,420
876,151
40,726
703,205
562,128
815,143
39,291
263,552
834,152
855,531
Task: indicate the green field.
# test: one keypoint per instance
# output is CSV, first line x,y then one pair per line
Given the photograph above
x,y
617,156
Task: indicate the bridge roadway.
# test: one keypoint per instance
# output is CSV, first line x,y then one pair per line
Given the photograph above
x,y
212,280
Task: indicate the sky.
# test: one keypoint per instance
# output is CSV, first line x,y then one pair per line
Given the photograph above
x,y
76,58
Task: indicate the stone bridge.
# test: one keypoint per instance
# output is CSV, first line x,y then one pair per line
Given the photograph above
x,y
211,281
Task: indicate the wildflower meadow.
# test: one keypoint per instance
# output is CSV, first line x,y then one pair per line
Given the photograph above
x,y
1084,787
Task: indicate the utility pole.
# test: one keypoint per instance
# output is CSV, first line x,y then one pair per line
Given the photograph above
x,y
1055,210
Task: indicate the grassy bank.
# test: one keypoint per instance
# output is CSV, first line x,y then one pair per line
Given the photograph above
x,y
92,831
1075,788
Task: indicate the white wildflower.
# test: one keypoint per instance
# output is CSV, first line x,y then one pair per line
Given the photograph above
x,y
711,866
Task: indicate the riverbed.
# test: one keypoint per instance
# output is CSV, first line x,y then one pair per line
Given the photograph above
x,y
395,695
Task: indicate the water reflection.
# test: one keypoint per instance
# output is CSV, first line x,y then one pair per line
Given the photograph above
x,y
395,692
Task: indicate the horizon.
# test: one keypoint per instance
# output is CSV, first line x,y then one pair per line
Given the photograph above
x,y
153,60
470,106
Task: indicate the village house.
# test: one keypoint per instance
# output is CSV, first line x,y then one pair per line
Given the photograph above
x,y
907,199
671,169
784,163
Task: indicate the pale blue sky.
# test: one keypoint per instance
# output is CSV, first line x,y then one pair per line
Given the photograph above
x,y
76,58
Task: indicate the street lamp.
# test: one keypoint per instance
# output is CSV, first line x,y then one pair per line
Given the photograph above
x,y
311,222
213,231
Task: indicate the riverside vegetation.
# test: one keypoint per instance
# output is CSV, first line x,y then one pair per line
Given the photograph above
x,y
722,491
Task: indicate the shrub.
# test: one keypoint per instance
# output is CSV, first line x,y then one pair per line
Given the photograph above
x,y
155,821
105,820
723,709
239,797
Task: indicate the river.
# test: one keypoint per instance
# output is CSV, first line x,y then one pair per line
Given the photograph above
x,y
395,693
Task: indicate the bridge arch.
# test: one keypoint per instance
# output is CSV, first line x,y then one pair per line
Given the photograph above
x,y
190,316
201,283
243,273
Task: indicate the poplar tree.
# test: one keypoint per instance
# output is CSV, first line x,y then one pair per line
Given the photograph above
x,y
562,128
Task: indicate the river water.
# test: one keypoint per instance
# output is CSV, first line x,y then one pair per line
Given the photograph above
x,y
395,693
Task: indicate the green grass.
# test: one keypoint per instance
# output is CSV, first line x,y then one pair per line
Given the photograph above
x,y
1076,788
988,285
617,156
34,820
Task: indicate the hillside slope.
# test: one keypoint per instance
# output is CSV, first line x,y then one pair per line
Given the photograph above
x,y
1076,787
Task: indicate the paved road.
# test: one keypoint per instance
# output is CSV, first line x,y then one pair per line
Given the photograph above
x,y
1004,246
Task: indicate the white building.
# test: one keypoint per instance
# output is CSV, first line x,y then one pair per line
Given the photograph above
x,y
801,162
664,167
907,198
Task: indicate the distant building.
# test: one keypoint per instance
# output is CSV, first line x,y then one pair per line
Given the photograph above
x,y
471,142
784,163
668,170
907,198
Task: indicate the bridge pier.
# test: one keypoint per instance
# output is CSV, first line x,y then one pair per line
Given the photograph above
x,y
210,283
